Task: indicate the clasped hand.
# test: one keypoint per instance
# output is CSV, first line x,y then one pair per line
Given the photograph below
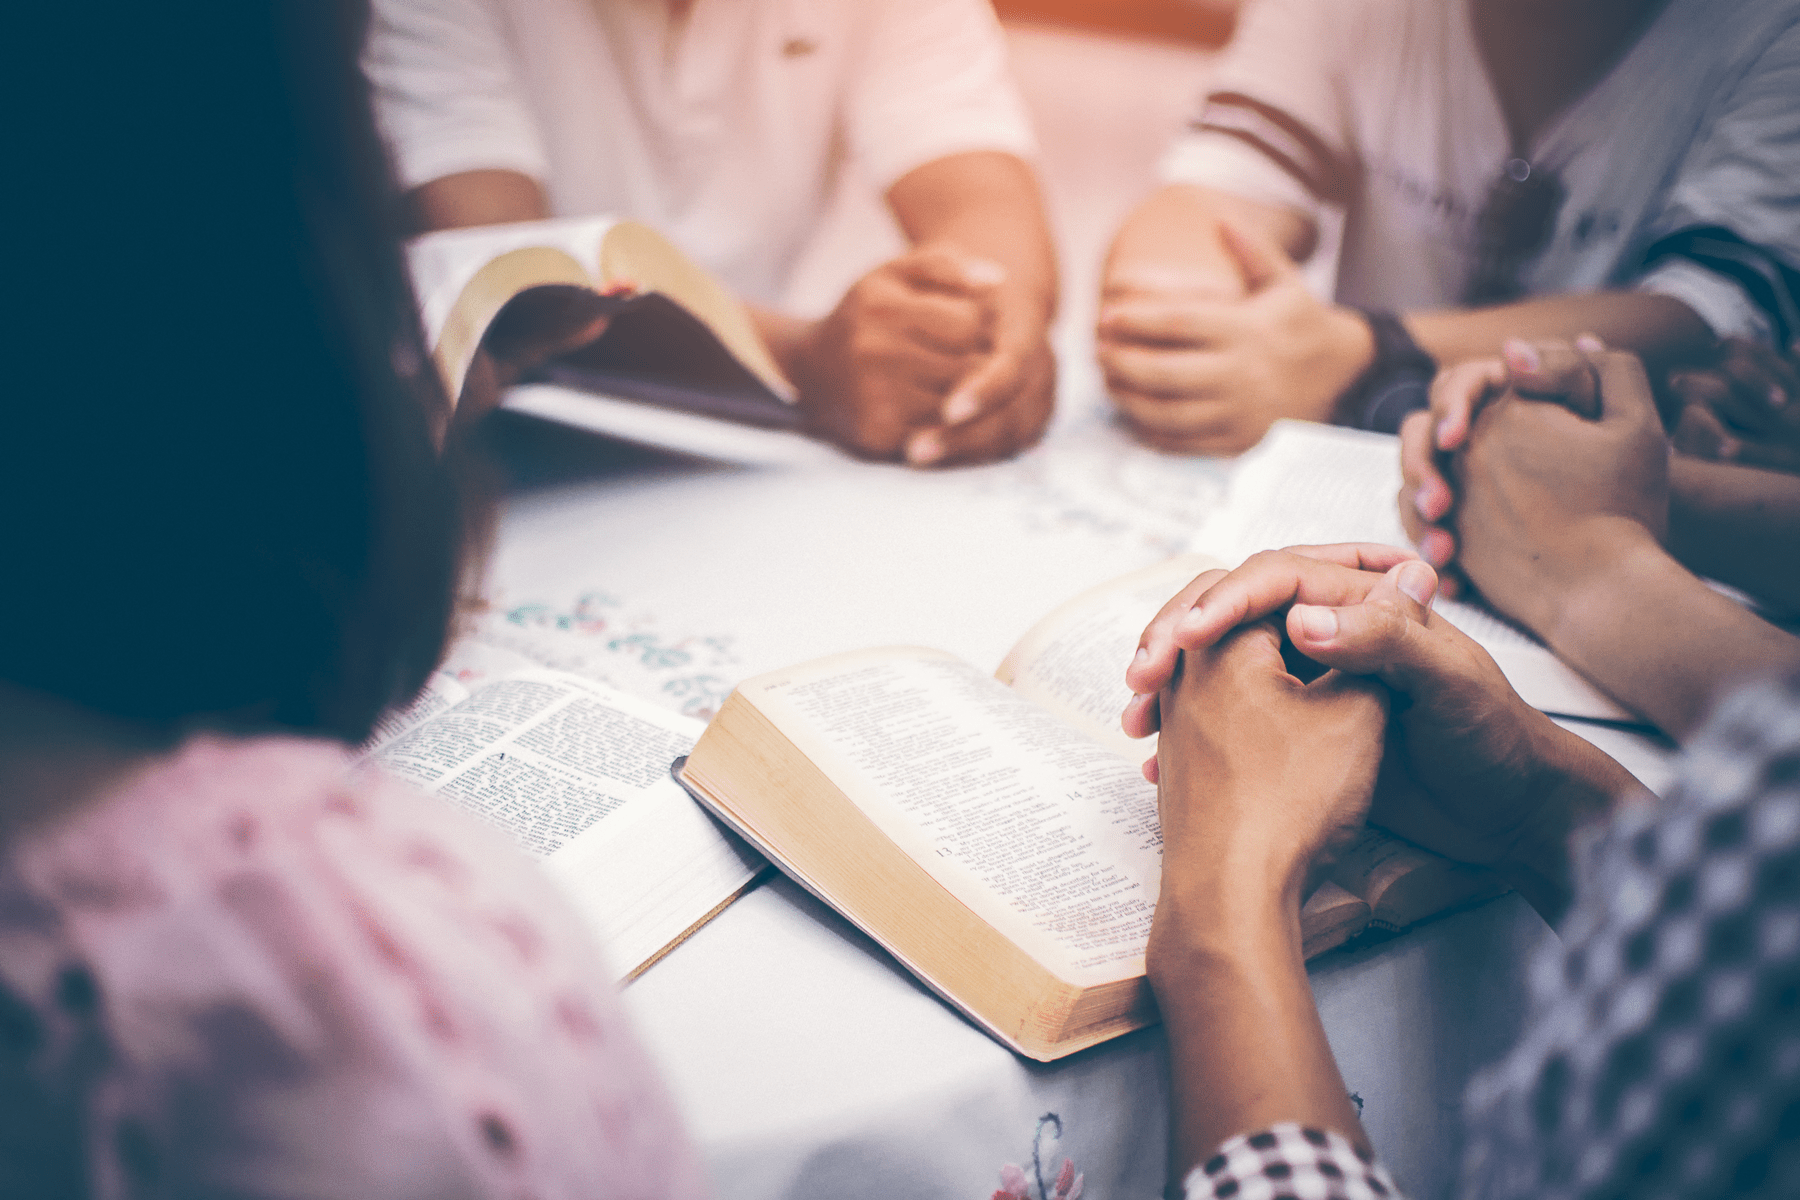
x,y
930,358
1253,762
1742,407
1198,371
1532,472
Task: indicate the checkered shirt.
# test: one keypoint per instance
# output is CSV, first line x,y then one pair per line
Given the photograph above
x,y
1662,1060
1663,1055
1290,1161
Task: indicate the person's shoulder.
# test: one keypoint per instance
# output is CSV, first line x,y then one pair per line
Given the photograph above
x,y
282,805
1744,32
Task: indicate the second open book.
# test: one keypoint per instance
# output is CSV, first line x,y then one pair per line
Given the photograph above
x,y
994,833
678,343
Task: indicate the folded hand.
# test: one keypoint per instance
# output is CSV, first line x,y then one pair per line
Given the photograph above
x,y
1207,374
1471,770
929,358
1261,773
1743,407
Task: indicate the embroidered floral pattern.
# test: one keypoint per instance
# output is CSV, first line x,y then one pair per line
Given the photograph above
x,y
596,635
1016,1184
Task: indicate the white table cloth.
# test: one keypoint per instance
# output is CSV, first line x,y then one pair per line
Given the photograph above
x,y
810,1064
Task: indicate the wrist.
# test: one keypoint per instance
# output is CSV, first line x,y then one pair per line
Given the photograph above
x,y
1575,784
1352,351
1394,375
1195,938
1582,574
1230,903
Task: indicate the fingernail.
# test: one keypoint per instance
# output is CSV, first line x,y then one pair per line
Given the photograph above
x,y
1521,355
1778,397
1436,548
1419,504
924,448
1318,624
1141,657
1443,432
960,407
1590,344
1417,582
984,272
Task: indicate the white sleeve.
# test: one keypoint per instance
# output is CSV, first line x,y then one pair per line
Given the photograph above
x,y
932,80
1716,299
1273,125
1727,239
447,93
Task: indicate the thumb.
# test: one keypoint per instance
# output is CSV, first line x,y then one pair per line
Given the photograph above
x,y
1625,393
945,266
1260,261
1387,635
1554,371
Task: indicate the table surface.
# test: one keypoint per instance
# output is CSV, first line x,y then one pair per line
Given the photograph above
x,y
807,1061
809,1064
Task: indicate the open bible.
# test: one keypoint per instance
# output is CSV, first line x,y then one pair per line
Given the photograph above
x,y
994,833
577,774
676,338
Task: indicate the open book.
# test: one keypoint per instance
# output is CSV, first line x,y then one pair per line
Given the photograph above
x,y
994,833
1309,484
577,773
677,339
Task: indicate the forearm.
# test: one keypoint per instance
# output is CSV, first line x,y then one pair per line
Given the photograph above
x,y
1575,784
1171,243
1246,1047
1653,635
1658,328
486,197
987,204
1739,525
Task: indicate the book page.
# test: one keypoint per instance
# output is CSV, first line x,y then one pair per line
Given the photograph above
x,y
579,773
542,755
441,693
1330,917
1404,883
445,262
670,429
651,874
1048,837
1072,663
1310,484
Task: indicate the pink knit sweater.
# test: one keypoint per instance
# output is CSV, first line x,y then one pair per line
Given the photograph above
x,y
257,970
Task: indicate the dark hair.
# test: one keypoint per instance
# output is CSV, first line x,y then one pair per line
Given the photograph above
x,y
222,500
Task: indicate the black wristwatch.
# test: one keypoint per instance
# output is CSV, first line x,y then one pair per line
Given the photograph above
x,y
1398,382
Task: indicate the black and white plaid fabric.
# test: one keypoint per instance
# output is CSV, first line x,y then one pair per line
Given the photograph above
x,y
1663,1057
1290,1161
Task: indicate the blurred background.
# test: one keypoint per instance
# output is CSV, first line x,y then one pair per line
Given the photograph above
x,y
1109,82
1207,22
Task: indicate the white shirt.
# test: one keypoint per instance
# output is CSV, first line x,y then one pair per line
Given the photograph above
x,y
1384,112
723,130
